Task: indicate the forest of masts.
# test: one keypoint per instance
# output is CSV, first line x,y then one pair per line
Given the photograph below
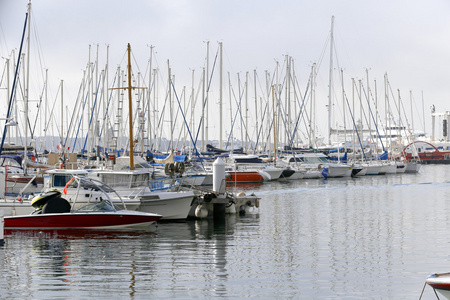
x,y
254,110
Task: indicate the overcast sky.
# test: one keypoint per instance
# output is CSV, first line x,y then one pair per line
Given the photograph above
x,y
408,40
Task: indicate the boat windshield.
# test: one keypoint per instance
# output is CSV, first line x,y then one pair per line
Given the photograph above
x,y
88,185
103,205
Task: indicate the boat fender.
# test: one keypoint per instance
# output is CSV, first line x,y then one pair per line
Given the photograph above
x,y
241,194
325,172
242,210
257,203
230,208
201,212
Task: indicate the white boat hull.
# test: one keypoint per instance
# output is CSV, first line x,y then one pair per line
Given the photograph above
x,y
171,205
339,171
15,208
299,174
392,168
313,174
373,169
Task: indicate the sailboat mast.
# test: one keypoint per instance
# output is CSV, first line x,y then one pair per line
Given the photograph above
x,y
105,93
130,110
220,96
8,92
170,105
330,81
312,109
256,109
206,139
246,111
203,109
412,113
25,158
274,125
149,123
343,105
62,115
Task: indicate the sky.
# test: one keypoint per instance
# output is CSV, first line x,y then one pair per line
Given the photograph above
x,y
407,40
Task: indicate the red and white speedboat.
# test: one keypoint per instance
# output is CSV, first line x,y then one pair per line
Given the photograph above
x,y
54,212
440,282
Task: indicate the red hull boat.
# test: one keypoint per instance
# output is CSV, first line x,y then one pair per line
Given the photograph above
x,y
54,212
440,282
88,220
245,176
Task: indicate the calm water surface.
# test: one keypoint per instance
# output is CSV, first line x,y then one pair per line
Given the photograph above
x,y
375,237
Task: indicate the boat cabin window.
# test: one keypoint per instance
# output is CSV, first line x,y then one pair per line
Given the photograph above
x,y
61,179
295,159
125,180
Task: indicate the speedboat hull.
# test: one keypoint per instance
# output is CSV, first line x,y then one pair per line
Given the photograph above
x,y
440,283
88,220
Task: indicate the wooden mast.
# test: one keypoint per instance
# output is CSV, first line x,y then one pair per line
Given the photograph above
x,y
130,108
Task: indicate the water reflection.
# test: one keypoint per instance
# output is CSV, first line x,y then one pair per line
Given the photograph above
x,y
361,238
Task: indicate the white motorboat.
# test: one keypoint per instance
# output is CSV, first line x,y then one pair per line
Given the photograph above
x,y
159,195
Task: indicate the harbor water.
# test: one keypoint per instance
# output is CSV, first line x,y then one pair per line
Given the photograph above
x,y
374,237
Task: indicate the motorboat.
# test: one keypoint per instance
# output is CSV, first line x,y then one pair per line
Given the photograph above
x,y
158,195
54,212
245,167
319,161
440,282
